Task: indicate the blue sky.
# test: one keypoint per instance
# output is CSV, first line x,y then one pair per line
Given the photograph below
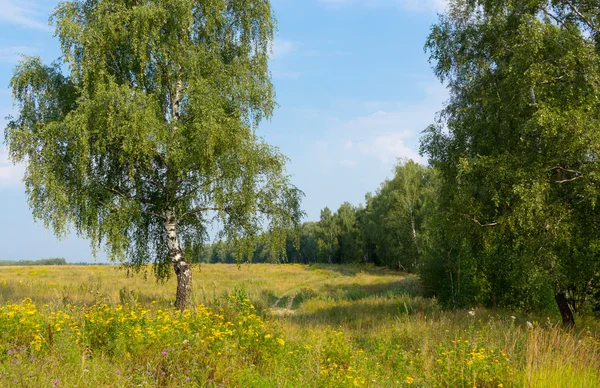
x,y
354,90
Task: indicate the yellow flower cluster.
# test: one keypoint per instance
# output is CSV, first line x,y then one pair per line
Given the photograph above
x,y
484,366
340,365
125,329
21,324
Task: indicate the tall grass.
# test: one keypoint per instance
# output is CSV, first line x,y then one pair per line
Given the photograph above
x,y
312,326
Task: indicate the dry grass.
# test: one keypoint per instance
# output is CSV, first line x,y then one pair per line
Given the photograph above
x,y
343,326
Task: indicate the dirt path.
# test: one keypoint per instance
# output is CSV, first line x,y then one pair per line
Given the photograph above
x,y
296,290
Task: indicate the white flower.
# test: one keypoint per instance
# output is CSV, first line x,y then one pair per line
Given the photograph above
x,y
513,317
529,325
472,313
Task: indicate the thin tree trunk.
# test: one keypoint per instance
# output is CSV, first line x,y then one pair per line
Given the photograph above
x,y
414,237
565,309
182,268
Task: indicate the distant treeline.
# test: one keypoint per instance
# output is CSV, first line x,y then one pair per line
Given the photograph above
x,y
384,231
51,261
410,224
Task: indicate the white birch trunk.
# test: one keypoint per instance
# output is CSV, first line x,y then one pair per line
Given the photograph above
x,y
180,265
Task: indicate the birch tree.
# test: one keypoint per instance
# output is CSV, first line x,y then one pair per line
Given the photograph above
x,y
144,133
518,146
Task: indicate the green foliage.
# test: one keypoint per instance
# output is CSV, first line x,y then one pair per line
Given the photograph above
x,y
516,148
396,216
389,230
327,236
151,127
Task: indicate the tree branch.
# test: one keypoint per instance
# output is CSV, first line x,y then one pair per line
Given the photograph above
x,y
130,198
564,169
479,223
568,180
555,18
585,20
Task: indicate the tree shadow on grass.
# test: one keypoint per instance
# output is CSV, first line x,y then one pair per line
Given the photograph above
x,y
365,313
364,304
356,269
410,286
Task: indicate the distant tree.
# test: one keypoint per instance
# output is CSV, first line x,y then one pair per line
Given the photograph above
x,y
517,148
149,135
396,213
309,247
349,237
327,235
368,230
51,261
306,250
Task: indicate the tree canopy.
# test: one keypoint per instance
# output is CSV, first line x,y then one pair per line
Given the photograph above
x,y
517,147
144,133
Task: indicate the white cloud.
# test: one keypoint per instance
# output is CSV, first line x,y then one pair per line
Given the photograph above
x,y
410,5
281,47
389,147
13,53
387,131
10,174
24,13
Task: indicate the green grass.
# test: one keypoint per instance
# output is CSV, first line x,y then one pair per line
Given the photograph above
x,y
275,325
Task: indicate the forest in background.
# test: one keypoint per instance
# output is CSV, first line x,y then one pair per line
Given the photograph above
x,y
506,214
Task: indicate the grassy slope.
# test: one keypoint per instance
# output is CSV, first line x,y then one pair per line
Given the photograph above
x,y
342,326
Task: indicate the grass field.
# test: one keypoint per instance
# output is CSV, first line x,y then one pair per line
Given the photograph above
x,y
273,326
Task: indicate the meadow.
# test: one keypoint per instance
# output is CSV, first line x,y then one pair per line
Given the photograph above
x,y
260,325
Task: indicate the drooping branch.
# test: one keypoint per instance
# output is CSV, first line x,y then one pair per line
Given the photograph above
x,y
130,198
555,18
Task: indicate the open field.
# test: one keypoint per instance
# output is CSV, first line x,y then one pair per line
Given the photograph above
x,y
272,326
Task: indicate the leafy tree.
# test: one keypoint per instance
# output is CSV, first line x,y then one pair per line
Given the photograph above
x,y
349,237
368,230
149,134
327,235
307,250
398,215
517,147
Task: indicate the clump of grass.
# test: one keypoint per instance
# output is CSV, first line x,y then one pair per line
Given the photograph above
x,y
561,359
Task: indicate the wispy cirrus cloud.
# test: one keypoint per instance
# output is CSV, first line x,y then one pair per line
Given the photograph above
x,y
23,13
388,131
